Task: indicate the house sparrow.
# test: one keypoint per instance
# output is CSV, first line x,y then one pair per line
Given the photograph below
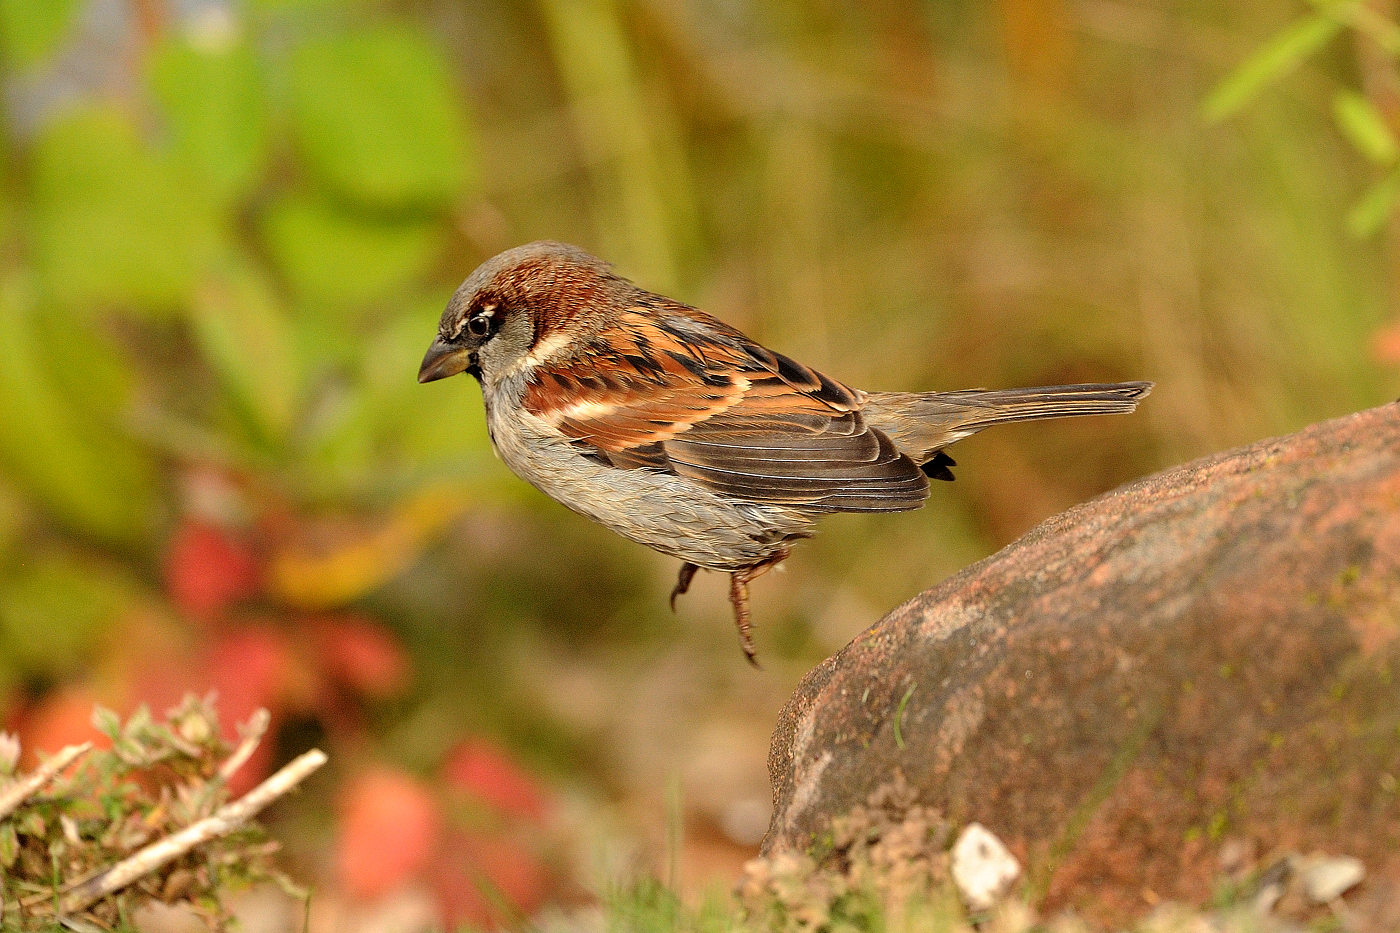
x,y
677,431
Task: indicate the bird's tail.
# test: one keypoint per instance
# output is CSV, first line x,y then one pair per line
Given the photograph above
x,y
922,423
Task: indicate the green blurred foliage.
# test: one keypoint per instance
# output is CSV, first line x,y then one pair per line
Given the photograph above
x,y
235,266
376,115
242,328
55,608
1281,55
88,474
1360,120
30,29
331,256
114,223
212,96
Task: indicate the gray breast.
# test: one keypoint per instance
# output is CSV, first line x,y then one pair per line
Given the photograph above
x,y
661,510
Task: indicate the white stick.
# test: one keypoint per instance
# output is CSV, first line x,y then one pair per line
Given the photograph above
x,y
26,787
224,821
252,735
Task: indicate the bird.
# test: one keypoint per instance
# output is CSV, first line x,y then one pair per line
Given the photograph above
x,y
677,431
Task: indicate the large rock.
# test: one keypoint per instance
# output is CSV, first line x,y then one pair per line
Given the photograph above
x,y
1208,656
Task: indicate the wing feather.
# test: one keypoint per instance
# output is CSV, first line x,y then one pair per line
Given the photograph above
x,y
669,388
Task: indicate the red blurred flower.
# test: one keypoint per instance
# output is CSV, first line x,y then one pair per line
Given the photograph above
x,y
62,718
486,881
388,826
251,668
1385,344
206,569
487,773
363,655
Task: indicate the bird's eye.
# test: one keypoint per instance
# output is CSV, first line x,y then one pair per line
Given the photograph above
x,y
479,326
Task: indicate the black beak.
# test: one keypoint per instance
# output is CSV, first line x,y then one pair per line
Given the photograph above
x,y
443,360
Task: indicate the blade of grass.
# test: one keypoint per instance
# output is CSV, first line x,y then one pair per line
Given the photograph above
x,y
1365,127
1376,207
899,717
1279,56
617,127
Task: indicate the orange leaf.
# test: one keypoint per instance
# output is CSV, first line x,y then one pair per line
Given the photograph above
x,y
60,719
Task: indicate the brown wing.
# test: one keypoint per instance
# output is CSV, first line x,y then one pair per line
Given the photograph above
x,y
681,392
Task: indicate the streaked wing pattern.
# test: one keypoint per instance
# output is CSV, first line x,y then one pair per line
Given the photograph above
x,y
687,394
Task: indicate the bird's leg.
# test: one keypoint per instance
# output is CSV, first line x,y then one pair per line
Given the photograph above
x,y
739,599
683,582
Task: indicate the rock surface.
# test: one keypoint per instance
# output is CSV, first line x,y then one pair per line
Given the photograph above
x,y
1209,655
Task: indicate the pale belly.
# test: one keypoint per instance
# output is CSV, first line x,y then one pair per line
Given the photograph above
x,y
666,512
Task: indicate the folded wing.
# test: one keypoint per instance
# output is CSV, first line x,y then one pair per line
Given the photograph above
x,y
677,391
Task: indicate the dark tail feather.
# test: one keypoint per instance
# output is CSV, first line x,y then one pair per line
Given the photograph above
x,y
940,467
921,424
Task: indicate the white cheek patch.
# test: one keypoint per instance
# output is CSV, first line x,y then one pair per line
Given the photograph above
x,y
547,348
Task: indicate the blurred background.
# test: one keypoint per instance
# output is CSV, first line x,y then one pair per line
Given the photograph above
x,y
227,230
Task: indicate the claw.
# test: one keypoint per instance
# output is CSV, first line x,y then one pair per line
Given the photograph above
x,y
739,599
683,582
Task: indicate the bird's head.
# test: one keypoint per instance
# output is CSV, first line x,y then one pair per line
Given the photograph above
x,y
520,307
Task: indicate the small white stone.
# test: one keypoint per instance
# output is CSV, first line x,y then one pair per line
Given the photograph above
x,y
983,869
1326,879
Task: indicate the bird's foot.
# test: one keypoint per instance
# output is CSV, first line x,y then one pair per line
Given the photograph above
x,y
683,582
739,599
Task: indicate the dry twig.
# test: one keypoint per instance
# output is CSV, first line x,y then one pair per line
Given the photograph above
x,y
16,794
227,819
252,735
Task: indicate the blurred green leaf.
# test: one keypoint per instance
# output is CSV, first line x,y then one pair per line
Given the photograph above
x,y
1277,57
54,608
1375,208
107,722
31,29
244,333
378,117
13,515
416,424
1365,127
1370,20
331,256
113,223
93,478
213,99
99,390
388,429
